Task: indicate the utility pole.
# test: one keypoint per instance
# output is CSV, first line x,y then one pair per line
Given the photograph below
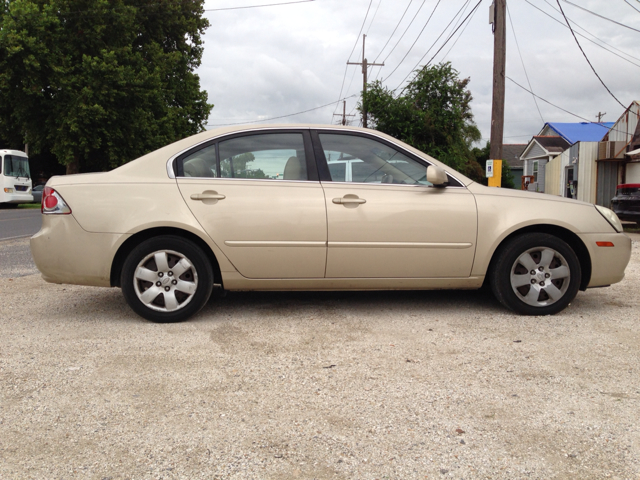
x,y
498,18
344,113
600,115
365,65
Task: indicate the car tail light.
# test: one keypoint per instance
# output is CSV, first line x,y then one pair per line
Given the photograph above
x,y
53,203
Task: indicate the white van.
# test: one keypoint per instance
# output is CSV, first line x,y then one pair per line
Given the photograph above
x,y
15,178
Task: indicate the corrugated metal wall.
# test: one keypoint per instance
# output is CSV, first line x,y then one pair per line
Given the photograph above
x,y
553,175
587,171
624,128
607,182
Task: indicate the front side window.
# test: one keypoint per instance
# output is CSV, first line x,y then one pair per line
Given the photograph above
x,y
271,156
15,166
352,158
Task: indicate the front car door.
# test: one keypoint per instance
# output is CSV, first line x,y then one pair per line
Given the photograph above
x,y
384,219
257,195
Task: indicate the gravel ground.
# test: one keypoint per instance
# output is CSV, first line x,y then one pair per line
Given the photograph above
x,y
398,385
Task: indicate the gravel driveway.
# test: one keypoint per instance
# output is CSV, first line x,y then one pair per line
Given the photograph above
x,y
399,385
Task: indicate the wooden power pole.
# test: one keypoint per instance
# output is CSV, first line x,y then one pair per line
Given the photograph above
x,y
499,10
365,66
344,114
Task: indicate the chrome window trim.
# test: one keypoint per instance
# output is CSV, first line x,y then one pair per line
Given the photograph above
x,y
234,179
237,132
372,133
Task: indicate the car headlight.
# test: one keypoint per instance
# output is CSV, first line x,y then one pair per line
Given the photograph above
x,y
610,217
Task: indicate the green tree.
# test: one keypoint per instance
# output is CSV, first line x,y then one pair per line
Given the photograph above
x,y
432,113
100,82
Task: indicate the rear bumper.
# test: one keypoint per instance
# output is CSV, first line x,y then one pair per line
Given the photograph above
x,y
18,198
65,253
607,263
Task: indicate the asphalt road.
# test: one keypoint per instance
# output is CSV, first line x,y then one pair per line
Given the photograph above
x,y
19,223
16,226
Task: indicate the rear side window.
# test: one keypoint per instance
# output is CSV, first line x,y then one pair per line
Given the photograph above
x,y
201,163
271,156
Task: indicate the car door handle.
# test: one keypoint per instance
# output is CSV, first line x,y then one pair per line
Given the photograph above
x,y
348,200
207,196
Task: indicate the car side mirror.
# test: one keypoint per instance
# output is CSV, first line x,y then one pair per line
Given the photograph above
x,y
437,176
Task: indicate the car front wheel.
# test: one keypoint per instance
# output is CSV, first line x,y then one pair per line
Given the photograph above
x,y
167,279
536,274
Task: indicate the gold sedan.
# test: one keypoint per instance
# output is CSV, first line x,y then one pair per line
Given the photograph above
x,y
315,207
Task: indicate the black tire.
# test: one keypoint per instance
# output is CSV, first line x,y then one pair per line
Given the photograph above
x,y
535,274
174,268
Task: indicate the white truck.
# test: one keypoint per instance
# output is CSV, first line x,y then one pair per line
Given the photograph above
x,y
15,178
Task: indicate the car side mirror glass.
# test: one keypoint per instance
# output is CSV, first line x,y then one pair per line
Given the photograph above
x,y
437,176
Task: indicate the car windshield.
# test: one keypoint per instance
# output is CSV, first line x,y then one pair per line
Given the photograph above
x,y
15,166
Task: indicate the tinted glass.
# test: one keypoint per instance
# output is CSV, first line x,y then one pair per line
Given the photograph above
x,y
353,158
201,163
273,156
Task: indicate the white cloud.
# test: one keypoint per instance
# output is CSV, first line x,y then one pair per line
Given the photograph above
x,y
268,62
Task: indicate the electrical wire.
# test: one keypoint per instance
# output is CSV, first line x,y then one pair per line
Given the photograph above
x,y
257,6
417,38
564,110
394,31
402,36
585,30
441,47
585,56
373,18
281,116
601,16
628,3
459,36
522,61
344,77
587,38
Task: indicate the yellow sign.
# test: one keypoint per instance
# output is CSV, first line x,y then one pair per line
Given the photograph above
x,y
496,179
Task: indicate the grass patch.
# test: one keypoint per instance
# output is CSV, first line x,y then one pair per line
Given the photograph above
x,y
29,205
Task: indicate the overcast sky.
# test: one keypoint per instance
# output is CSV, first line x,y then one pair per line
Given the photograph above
x,y
261,63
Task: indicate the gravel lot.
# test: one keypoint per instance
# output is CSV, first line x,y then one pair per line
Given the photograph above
x,y
399,385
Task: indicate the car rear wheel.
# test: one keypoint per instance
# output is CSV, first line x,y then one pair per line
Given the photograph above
x,y
167,279
536,274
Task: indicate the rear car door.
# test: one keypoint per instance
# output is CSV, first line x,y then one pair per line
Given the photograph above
x,y
257,195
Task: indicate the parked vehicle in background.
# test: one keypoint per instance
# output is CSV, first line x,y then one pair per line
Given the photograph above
x,y
15,178
315,208
626,203
37,193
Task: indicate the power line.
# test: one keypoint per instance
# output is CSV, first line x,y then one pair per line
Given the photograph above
x,y
394,31
587,31
459,36
522,61
601,16
282,116
344,77
585,56
373,18
417,38
628,3
443,45
586,38
257,6
403,33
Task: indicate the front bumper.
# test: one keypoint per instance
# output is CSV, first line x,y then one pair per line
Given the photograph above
x,y
607,263
65,253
